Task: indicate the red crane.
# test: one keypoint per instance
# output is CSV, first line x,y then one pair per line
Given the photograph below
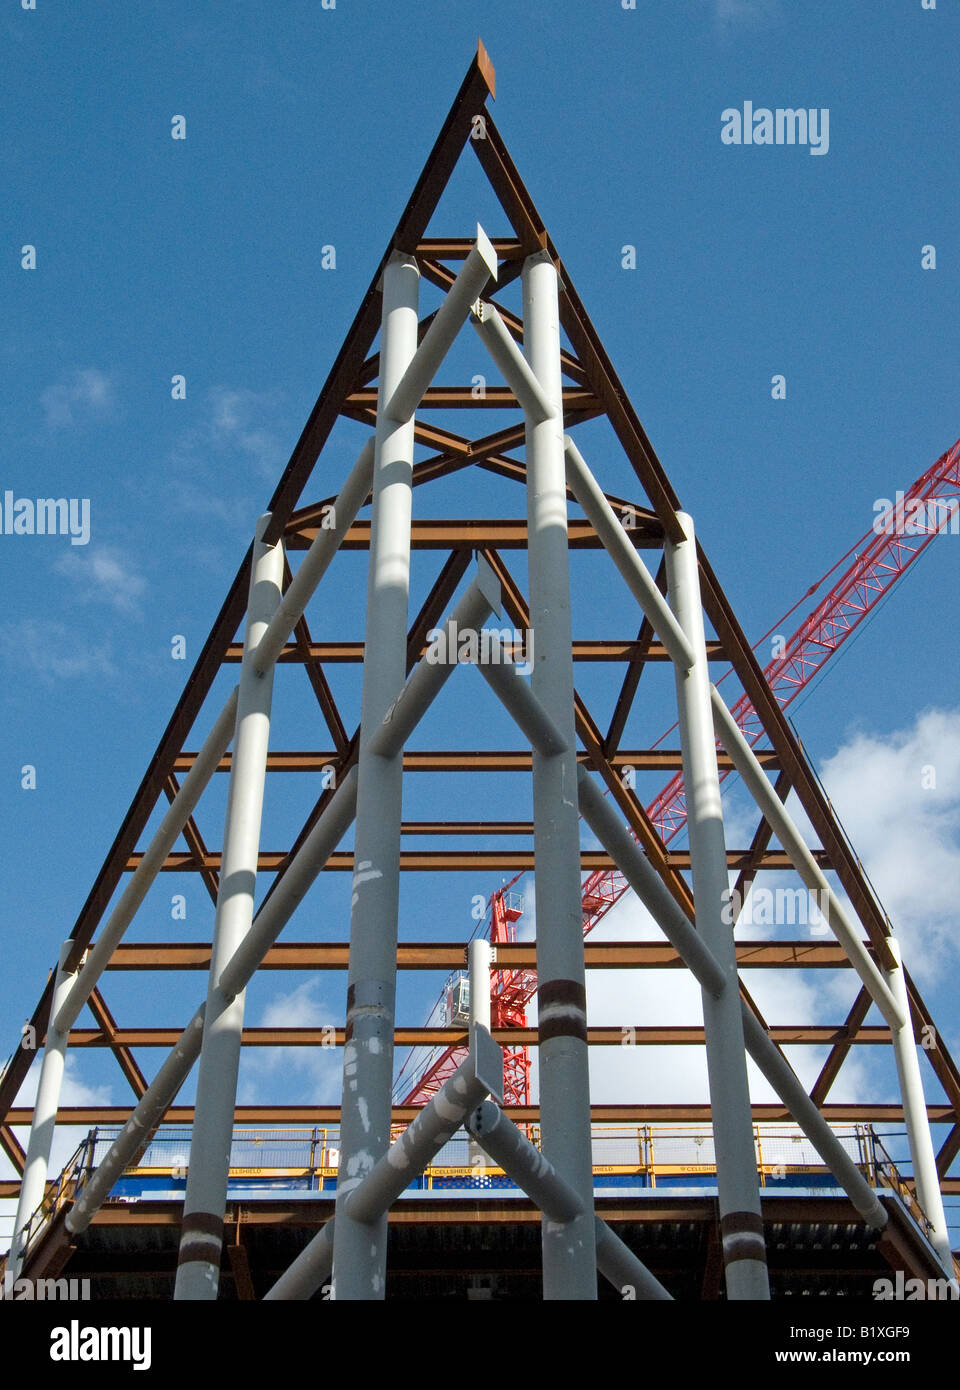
x,y
899,535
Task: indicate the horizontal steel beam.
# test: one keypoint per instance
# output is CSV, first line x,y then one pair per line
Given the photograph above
x,y
458,861
514,955
680,1112
466,398
459,248
501,533
624,649
785,1035
456,760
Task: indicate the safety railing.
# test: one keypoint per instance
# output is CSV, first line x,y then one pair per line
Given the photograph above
x,y
649,1153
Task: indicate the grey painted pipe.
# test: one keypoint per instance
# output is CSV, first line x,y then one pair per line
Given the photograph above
x,y
512,1151
178,813
649,887
745,761
293,887
738,1192
508,357
517,697
479,267
150,1110
201,1238
617,1262
308,1271
316,562
603,519
569,1254
428,677
360,1250
426,1135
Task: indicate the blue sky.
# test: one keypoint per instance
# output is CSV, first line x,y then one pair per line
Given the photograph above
x,y
308,127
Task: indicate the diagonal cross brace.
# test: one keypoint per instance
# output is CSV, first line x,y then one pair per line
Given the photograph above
x,y
512,1151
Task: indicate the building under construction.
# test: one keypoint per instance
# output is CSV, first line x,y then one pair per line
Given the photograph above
x,y
464,1157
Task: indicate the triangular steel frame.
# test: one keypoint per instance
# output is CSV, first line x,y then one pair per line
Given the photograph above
x,y
592,389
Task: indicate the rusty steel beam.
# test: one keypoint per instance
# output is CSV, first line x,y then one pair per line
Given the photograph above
x,y
664,1035
239,1262
466,398
195,842
680,1112
934,1048
303,646
19,1064
515,955
470,760
464,861
644,650
459,248
112,1038
435,604
609,649
504,533
13,1149
948,1152
758,845
841,1048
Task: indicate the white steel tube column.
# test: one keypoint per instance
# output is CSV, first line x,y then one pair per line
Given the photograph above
x,y
44,1113
478,961
569,1249
181,809
741,1226
360,1249
915,1113
201,1238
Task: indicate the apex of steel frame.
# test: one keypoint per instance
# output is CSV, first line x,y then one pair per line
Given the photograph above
x,y
557,377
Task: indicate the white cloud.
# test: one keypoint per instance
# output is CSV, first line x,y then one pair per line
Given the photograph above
x,y
103,574
645,998
53,651
237,424
905,831
320,1067
82,395
74,1091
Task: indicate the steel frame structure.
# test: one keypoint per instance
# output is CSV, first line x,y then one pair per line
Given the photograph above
x,y
399,682
882,557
